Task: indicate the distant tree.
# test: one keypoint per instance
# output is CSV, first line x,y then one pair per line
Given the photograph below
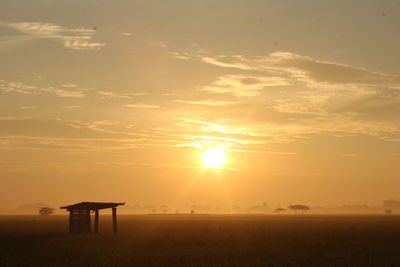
x,y
279,210
391,204
46,211
388,211
302,208
194,208
164,208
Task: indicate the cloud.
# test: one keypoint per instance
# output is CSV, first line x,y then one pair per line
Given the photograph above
x,y
314,73
110,94
72,107
235,61
28,107
163,44
62,135
69,85
323,97
77,136
243,85
72,38
8,87
206,102
17,87
48,127
178,55
70,94
139,105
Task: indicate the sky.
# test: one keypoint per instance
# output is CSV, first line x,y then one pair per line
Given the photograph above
x,y
117,100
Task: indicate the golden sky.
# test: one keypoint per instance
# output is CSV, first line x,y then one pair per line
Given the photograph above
x,y
119,101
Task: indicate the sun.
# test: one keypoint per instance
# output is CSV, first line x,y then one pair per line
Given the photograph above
x,y
213,158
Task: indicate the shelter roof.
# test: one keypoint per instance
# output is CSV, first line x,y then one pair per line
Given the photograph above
x,y
92,205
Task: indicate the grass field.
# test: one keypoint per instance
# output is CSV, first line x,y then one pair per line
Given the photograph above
x,y
204,240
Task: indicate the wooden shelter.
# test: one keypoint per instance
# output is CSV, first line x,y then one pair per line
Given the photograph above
x,y
79,216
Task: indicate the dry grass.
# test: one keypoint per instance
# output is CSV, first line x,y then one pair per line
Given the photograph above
x,y
204,240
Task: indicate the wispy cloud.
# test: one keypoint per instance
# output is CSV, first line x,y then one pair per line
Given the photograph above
x,y
313,72
71,94
178,55
163,44
111,94
72,38
69,85
139,105
72,107
22,88
206,102
243,85
8,87
323,97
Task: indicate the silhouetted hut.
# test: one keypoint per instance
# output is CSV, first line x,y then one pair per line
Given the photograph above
x,y
79,216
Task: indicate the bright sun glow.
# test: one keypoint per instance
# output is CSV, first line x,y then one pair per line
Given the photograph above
x,y
213,158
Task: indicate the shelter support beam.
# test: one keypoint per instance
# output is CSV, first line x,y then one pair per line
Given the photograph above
x,y
89,225
96,221
114,218
71,221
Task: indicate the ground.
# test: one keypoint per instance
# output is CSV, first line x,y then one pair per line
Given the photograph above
x,y
204,240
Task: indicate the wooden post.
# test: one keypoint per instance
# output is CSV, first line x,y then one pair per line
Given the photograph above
x,y
96,221
89,224
71,222
114,218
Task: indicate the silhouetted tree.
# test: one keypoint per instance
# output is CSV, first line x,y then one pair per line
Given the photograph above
x,y
388,211
46,211
391,204
302,208
163,208
279,210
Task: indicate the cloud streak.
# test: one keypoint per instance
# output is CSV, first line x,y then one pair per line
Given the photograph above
x,y
243,85
71,38
21,88
145,106
314,73
206,102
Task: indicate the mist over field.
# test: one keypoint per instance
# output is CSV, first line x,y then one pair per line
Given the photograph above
x,y
262,208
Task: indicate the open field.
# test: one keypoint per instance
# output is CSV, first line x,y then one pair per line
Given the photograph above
x,y
204,240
